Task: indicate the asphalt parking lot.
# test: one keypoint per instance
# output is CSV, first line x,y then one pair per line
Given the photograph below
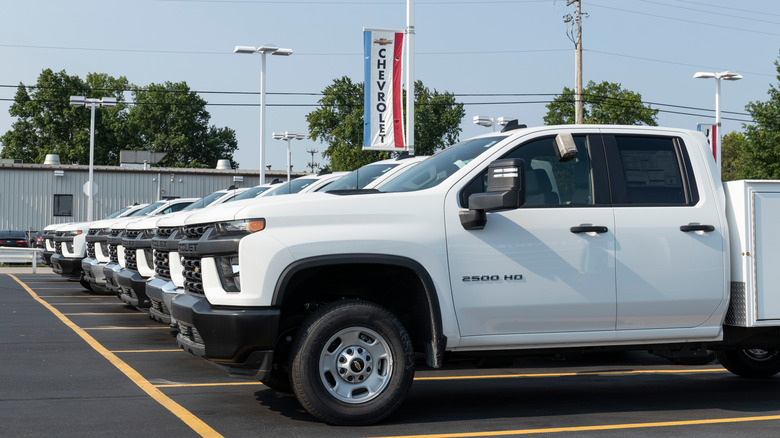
x,y
76,364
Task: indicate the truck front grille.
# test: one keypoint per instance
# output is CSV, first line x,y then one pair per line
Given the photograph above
x,y
112,253
91,249
194,232
131,264
162,267
193,281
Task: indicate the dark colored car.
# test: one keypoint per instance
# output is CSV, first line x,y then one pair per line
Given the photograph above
x,y
17,238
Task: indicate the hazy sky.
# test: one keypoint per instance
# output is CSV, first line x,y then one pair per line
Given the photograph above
x,y
500,58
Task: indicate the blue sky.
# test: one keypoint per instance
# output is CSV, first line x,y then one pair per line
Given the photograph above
x,y
491,54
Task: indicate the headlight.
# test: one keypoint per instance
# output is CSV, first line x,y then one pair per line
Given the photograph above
x,y
246,226
229,273
73,233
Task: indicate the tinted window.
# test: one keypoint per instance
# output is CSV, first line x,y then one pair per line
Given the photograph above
x,y
357,179
548,181
291,187
441,166
651,171
63,205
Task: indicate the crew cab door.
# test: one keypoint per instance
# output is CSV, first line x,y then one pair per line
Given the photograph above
x,y
668,233
547,267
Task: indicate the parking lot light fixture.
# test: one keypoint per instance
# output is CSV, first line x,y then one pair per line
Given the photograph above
x,y
92,103
726,76
287,135
262,50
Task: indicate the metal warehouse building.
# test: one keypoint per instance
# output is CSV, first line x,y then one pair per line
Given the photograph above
x,y
35,195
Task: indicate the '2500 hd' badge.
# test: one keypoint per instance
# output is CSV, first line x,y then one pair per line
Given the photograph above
x,y
491,278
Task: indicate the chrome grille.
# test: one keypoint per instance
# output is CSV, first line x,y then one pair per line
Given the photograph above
x,y
91,249
112,253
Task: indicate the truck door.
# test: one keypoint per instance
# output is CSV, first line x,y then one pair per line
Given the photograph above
x,y
547,267
668,235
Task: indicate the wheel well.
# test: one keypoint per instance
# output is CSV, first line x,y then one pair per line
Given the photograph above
x,y
400,288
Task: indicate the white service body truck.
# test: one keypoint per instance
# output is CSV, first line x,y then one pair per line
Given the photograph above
x,y
535,240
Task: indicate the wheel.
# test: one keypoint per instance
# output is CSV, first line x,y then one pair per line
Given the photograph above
x,y
352,364
85,284
753,362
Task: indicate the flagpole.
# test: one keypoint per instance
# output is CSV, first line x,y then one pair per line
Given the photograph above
x,y
410,75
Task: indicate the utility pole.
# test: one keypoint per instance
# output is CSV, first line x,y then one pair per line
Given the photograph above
x,y
312,164
577,58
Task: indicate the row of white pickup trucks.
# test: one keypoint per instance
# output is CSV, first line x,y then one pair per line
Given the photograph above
x,y
534,240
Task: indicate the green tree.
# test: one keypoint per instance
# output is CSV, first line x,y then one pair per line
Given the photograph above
x,y
164,118
46,123
171,118
762,149
339,123
732,156
604,103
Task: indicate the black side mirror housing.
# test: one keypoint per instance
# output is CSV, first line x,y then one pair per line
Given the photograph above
x,y
505,191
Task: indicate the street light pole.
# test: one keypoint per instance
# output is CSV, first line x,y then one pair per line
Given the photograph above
x,y
106,102
718,136
287,135
263,50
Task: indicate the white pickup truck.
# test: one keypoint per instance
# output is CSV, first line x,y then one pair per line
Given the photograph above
x,y
534,240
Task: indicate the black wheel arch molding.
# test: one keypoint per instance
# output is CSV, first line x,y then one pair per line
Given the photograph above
x,y
434,340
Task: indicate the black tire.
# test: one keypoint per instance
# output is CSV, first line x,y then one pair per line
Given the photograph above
x,y
352,363
752,363
85,284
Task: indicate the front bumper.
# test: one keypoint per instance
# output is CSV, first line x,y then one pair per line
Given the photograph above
x,y
133,288
240,340
111,273
93,273
161,293
65,266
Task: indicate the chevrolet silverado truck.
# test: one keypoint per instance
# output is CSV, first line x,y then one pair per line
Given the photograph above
x,y
536,240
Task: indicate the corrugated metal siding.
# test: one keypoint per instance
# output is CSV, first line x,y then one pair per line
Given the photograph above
x,y
27,191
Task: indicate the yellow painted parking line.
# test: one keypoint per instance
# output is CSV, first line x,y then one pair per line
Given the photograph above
x,y
127,328
78,296
187,385
171,350
105,313
87,304
176,409
593,428
581,373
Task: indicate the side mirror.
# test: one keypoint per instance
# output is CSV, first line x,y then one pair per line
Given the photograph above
x,y
505,191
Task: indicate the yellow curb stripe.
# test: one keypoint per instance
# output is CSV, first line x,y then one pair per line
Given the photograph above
x,y
172,350
176,409
126,328
593,428
187,385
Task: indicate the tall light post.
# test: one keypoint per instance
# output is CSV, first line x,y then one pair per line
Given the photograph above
x,y
106,102
287,135
727,76
262,50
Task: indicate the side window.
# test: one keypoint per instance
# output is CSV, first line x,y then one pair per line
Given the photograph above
x,y
653,172
63,205
549,181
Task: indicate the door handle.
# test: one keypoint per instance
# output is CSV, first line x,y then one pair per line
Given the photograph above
x,y
696,227
588,229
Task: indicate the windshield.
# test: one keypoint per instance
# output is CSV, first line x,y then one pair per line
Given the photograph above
x,y
291,187
357,179
441,166
251,193
117,213
204,201
148,209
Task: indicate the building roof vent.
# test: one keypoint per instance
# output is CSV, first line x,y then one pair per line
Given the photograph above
x,y
224,165
52,159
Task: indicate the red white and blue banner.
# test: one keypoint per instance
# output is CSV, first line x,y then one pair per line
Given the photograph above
x,y
383,128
